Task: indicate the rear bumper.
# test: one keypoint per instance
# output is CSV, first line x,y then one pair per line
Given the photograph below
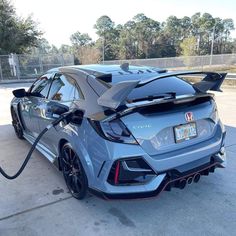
x,y
173,179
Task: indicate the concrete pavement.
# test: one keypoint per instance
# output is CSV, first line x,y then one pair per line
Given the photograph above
x,y
38,202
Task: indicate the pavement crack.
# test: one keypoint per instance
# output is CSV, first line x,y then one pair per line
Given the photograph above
x,y
34,208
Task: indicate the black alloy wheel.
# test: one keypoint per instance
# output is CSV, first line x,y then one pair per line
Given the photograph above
x,y
17,125
73,172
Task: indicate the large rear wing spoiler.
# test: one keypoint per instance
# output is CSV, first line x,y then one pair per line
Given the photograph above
x,y
118,93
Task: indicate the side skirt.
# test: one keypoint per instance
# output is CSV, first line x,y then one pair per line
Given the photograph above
x,y
42,149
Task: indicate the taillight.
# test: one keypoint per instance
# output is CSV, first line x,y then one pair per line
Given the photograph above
x,y
214,114
130,171
114,131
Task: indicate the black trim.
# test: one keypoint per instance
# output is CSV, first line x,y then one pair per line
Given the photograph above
x,y
101,169
160,106
97,127
105,77
127,178
211,81
172,179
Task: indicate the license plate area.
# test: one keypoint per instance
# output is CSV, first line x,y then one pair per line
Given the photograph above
x,y
185,132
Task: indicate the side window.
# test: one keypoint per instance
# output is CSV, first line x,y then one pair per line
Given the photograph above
x,y
64,89
41,87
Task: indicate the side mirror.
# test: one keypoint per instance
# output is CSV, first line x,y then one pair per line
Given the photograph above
x,y
57,108
19,93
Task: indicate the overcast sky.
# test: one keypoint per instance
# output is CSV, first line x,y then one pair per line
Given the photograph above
x,y
60,18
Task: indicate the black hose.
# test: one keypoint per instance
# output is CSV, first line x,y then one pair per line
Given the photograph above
x,y
54,123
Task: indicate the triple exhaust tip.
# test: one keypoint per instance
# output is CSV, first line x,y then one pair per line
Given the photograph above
x,y
189,180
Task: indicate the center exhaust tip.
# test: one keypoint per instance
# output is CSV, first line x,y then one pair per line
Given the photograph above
x,y
190,180
196,177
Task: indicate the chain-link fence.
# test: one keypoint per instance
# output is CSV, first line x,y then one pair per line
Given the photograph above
x,y
15,67
179,63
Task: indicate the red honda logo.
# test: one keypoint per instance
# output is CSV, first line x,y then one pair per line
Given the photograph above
x,y
189,116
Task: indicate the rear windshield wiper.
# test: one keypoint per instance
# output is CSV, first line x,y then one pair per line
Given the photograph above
x,y
168,95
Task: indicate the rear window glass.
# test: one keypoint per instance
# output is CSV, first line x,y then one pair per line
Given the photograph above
x,y
165,85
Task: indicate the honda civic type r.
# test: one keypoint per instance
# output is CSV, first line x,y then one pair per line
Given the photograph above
x,y
136,131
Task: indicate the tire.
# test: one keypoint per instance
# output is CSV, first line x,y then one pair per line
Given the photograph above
x,y
17,125
73,172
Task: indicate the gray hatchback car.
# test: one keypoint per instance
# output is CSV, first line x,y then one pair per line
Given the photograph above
x,y
138,130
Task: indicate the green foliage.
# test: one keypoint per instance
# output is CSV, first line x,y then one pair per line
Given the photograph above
x,y
188,46
143,37
139,37
83,49
78,39
17,35
104,26
108,37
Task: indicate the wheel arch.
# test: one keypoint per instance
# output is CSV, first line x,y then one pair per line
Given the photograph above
x,y
15,107
88,168
61,143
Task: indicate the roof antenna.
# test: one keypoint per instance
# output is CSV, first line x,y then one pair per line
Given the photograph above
x,y
125,66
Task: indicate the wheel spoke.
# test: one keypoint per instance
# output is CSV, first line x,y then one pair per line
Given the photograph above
x,y
67,156
65,162
73,158
67,172
17,125
80,181
70,154
77,183
69,179
73,172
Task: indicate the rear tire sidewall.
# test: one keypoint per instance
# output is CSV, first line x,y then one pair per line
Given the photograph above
x,y
15,120
84,187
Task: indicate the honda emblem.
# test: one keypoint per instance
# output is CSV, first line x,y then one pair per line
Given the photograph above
x,y
189,116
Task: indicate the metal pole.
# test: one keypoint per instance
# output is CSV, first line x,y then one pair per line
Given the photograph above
x,y
40,63
198,45
212,44
103,51
62,60
1,77
17,65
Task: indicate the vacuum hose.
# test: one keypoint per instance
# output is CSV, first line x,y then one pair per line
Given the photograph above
x,y
53,124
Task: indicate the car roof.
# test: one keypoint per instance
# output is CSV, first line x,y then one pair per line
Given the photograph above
x,y
99,69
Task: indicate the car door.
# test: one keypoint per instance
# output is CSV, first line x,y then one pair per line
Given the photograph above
x,y
30,105
64,90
